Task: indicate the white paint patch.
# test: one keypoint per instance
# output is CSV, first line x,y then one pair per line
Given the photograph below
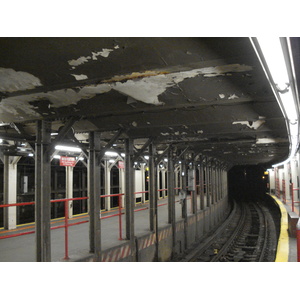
x,y
105,52
222,96
234,96
79,61
12,81
80,77
144,89
84,59
253,125
92,90
270,141
226,69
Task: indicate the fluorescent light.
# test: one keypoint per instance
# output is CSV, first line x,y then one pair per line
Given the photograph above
x,y
67,148
111,153
56,156
111,161
289,107
146,157
272,52
1,141
275,56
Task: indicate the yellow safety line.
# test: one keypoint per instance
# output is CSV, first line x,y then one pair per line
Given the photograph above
x,y
282,254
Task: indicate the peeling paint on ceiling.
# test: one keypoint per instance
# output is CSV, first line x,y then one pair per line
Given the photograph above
x,y
80,77
145,89
12,81
270,140
251,124
84,59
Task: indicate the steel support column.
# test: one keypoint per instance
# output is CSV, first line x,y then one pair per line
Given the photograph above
x,y
153,187
94,170
207,181
184,189
129,195
213,183
201,182
193,185
42,191
171,197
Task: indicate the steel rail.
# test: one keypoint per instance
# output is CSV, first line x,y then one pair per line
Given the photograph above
x,y
237,231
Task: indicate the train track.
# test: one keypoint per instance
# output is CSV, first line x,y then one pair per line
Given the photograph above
x,y
248,235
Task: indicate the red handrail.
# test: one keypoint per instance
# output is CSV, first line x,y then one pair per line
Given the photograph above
x,y
66,218
293,202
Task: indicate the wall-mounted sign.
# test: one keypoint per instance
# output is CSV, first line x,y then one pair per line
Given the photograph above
x,y
121,164
66,161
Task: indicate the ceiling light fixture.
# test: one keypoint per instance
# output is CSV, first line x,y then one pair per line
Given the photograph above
x,y
275,56
111,153
67,148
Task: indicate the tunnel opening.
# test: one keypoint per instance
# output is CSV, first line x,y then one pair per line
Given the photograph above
x,y
247,183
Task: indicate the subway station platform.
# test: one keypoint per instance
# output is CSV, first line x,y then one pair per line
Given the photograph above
x,y
22,248
289,249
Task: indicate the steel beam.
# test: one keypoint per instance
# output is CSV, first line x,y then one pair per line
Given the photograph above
x,y
201,182
63,133
42,191
184,183
142,150
153,187
171,197
207,182
94,195
129,195
194,189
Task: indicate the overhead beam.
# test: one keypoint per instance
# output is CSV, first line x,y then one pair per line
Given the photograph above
x,y
142,150
62,134
110,143
161,156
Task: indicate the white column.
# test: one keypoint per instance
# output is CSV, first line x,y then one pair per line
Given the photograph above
x,y
10,191
69,188
107,184
163,181
294,171
122,183
143,182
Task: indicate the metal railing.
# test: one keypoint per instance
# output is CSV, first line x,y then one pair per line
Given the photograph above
x,y
66,221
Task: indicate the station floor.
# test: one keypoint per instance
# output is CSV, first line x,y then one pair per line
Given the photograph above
x,y
22,248
292,247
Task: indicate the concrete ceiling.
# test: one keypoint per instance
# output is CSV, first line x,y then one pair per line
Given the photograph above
x,y
210,94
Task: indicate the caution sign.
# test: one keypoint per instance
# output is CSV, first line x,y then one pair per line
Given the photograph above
x,y
121,164
66,161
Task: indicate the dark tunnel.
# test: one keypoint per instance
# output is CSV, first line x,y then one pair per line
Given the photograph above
x,y
247,183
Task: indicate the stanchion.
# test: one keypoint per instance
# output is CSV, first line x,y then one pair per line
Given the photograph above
x,y
298,240
66,230
292,191
120,217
